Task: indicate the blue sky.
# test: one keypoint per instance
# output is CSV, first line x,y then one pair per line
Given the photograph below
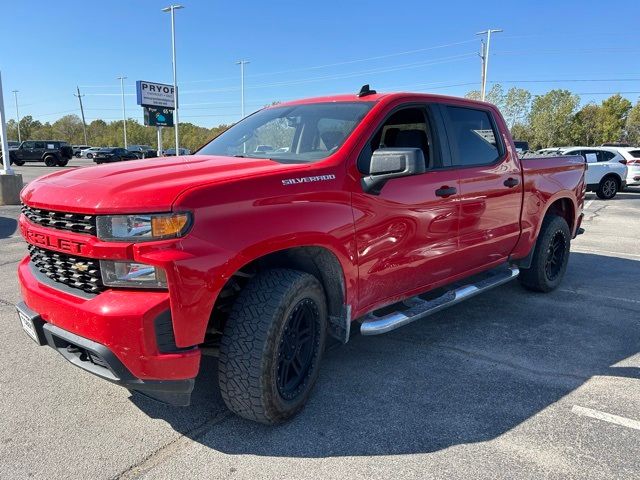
x,y
306,48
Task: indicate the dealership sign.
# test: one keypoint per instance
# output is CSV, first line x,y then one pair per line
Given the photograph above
x,y
152,94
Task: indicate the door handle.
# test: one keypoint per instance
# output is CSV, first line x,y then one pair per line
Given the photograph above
x,y
446,191
511,182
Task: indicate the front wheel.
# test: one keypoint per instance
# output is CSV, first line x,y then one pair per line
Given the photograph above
x,y
272,345
19,163
607,188
550,257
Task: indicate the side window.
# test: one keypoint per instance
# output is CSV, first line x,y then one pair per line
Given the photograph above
x,y
29,144
406,128
39,145
473,136
605,156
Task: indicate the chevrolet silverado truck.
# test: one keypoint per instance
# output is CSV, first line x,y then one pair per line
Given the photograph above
x,y
369,212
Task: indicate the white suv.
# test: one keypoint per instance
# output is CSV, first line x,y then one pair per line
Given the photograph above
x,y
632,155
606,169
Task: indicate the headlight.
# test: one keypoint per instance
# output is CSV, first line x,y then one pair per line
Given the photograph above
x,y
132,274
142,228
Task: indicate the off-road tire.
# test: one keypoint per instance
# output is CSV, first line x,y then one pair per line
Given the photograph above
x,y
538,277
50,161
251,349
18,163
608,188
63,162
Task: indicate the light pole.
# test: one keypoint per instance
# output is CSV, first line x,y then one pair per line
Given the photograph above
x,y
242,63
172,9
124,112
485,58
15,94
4,146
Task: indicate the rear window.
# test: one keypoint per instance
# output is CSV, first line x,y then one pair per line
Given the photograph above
x,y
635,153
473,136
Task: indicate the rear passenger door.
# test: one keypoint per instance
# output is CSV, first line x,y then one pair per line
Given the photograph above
x,y
490,187
38,151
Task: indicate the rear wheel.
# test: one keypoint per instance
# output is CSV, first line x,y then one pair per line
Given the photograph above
x,y
63,162
607,188
272,345
50,161
89,156
550,257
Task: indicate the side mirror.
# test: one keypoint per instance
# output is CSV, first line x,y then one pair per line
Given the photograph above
x,y
388,163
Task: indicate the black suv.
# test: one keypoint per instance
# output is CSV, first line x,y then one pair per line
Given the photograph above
x,y
51,152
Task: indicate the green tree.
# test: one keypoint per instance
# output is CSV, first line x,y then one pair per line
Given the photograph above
x,y
551,118
613,117
633,125
69,128
28,126
522,132
517,103
495,95
585,126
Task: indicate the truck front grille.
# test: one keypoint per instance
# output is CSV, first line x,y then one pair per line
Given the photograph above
x,y
76,272
74,222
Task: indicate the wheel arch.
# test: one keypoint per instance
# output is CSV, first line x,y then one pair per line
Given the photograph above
x,y
615,175
317,260
562,205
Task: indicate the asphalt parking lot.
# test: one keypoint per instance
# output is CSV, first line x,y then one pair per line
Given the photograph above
x,y
510,384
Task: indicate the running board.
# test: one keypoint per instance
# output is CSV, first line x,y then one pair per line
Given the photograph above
x,y
417,308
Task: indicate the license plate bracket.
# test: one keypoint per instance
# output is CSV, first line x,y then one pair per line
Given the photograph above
x,y
31,323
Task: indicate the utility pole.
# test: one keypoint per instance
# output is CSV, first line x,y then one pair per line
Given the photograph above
x,y
242,63
84,124
172,9
15,94
485,59
124,112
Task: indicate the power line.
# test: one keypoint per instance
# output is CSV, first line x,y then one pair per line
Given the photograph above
x,y
337,64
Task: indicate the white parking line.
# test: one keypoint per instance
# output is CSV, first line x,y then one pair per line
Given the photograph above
x,y
606,417
588,203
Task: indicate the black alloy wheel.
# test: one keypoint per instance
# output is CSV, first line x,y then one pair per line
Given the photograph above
x,y
555,256
298,349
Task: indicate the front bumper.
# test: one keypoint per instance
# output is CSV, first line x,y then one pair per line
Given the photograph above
x,y
118,326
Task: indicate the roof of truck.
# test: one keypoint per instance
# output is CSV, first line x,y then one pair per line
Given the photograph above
x,y
375,97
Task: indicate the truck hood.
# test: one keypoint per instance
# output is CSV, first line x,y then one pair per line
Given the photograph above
x,y
138,186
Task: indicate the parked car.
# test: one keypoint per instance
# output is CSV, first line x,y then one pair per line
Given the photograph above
x,y
135,270
108,155
606,172
77,149
549,151
142,151
632,155
89,152
51,152
172,152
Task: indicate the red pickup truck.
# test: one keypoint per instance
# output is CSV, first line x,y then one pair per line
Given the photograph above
x,y
298,221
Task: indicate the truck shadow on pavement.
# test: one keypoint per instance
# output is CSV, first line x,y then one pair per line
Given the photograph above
x,y
8,226
465,375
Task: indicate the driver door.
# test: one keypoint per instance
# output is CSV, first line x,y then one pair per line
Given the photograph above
x,y
407,234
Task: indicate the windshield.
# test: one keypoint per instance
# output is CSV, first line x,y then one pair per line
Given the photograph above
x,y
298,133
